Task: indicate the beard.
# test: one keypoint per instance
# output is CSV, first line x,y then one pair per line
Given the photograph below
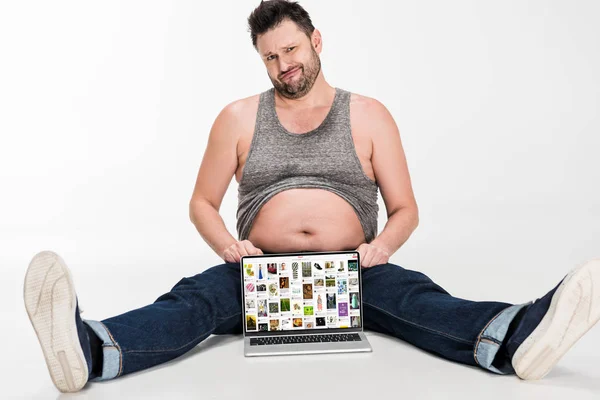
x,y
300,85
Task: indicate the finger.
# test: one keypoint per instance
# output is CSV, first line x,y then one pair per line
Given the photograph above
x,y
229,257
381,259
225,256
363,259
255,250
375,257
235,252
362,251
367,258
360,256
247,248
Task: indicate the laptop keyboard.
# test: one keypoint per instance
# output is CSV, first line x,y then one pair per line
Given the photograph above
x,y
338,337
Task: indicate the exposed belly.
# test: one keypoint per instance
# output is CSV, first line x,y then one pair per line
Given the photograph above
x,y
306,219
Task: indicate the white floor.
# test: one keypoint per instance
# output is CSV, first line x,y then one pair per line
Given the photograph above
x,y
217,369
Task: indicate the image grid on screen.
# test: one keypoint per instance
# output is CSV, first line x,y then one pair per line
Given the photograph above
x,y
314,292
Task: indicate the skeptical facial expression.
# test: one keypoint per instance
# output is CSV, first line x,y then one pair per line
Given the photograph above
x,y
292,61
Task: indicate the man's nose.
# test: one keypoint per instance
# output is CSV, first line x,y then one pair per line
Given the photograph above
x,y
285,66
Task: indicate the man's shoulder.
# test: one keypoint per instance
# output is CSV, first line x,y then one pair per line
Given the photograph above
x,y
364,103
241,108
239,115
364,110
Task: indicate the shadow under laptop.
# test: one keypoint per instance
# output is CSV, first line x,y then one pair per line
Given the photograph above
x,y
307,358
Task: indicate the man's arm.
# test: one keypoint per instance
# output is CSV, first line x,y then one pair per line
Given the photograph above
x,y
217,168
392,175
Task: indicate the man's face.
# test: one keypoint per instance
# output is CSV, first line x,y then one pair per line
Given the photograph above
x,y
286,49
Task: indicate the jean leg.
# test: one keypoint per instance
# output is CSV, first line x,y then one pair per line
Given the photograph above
x,y
410,306
196,307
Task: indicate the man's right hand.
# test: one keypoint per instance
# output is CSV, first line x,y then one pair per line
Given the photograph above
x,y
241,248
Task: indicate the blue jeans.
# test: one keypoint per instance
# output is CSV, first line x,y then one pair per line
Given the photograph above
x,y
396,301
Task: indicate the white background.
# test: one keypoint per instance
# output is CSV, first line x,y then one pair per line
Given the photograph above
x,y
105,110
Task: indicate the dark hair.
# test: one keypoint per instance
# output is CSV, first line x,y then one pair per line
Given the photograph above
x,y
271,13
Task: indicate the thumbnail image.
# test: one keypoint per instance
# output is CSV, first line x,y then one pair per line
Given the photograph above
x,y
284,269
297,291
261,272
330,281
273,308
355,321
295,270
331,301
354,301
308,310
272,268
353,281
342,286
262,307
286,323
306,269
274,325
297,306
250,287
284,282
318,266
343,309
331,319
250,322
273,289
307,291
320,321
329,265
263,327
319,282
319,303
352,265
297,322
341,268
309,323
285,305
250,303
249,271
261,287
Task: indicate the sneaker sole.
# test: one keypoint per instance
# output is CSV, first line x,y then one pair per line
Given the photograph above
x,y
50,300
574,309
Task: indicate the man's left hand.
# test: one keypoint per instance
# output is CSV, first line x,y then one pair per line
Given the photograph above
x,y
371,255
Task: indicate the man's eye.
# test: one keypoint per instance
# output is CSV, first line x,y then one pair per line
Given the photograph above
x,y
289,49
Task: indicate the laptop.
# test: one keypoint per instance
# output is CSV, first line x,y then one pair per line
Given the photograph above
x,y
302,303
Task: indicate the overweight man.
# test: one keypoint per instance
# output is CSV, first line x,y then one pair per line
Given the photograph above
x,y
309,159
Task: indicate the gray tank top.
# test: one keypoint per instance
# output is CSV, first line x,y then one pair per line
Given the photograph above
x,y
323,158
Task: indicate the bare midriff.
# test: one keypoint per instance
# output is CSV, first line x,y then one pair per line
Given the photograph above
x,y
306,219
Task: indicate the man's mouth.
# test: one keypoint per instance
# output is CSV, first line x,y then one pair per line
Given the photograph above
x,y
290,73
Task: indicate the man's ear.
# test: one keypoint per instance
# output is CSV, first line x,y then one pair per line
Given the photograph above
x,y
317,41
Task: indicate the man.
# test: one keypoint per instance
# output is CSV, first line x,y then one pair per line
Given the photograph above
x,y
309,159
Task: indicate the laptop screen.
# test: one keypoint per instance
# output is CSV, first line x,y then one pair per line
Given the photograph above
x,y
314,292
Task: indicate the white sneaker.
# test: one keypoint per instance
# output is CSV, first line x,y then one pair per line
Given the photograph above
x,y
52,306
555,322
